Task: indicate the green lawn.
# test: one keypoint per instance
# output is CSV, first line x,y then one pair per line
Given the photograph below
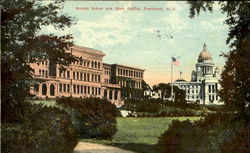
x,y
139,134
44,102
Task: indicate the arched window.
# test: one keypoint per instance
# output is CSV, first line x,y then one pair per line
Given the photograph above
x,y
116,94
99,65
110,95
36,88
52,90
95,64
105,94
44,89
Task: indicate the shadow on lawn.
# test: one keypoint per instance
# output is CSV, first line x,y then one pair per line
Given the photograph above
x,y
136,147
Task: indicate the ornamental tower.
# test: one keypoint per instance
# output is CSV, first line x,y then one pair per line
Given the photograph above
x,y
205,65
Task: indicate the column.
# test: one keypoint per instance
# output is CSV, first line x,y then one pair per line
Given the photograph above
x,y
40,89
118,94
48,89
113,94
108,94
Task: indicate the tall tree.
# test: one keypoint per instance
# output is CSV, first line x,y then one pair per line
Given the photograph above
x,y
165,89
21,44
235,77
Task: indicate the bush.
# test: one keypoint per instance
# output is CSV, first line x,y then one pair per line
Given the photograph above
x,y
150,106
181,137
41,130
92,117
239,143
204,136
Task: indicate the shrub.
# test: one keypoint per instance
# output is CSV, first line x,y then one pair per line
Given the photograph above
x,y
203,136
42,130
239,143
92,117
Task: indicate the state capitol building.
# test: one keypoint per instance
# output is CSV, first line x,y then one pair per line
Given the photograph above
x,y
87,77
204,85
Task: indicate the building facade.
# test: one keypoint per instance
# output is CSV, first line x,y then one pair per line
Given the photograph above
x,y
204,85
87,77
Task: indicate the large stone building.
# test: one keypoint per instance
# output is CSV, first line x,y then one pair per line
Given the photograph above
x,y
204,84
87,77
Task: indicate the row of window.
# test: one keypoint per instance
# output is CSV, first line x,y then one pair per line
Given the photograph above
x,y
107,72
189,86
80,89
211,97
80,76
106,80
193,97
130,84
86,63
129,73
192,91
42,63
43,72
212,88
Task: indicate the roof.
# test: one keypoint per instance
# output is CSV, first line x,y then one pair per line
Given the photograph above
x,y
205,55
180,80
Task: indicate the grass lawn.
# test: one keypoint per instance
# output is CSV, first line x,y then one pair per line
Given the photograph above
x,y
44,102
139,134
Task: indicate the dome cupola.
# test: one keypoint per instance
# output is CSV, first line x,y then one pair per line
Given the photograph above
x,y
204,55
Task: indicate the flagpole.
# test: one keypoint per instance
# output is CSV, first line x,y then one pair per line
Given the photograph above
x,y
172,79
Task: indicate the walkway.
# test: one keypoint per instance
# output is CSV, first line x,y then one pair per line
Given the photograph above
x,y
84,147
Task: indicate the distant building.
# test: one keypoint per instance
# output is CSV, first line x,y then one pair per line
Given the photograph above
x,y
87,77
204,85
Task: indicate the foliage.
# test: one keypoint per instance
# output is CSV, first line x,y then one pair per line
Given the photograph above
x,y
236,73
238,143
22,44
41,130
206,135
138,105
165,89
93,117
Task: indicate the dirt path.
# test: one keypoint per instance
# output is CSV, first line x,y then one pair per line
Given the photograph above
x,y
84,147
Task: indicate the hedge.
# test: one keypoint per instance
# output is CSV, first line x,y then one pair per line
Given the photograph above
x,y
92,117
40,130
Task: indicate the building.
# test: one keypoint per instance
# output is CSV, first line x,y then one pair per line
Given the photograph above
x,y
204,85
87,77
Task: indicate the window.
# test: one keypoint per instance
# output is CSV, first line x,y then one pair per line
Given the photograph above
x,y
99,78
60,87
95,78
68,75
74,75
74,87
85,89
68,87
88,77
64,87
77,75
81,89
78,89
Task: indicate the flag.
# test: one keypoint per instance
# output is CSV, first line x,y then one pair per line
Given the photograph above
x,y
175,61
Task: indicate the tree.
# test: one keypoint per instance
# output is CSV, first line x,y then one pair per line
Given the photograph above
x,y
235,76
165,89
22,44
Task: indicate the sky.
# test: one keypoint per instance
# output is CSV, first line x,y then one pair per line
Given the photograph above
x,y
130,37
